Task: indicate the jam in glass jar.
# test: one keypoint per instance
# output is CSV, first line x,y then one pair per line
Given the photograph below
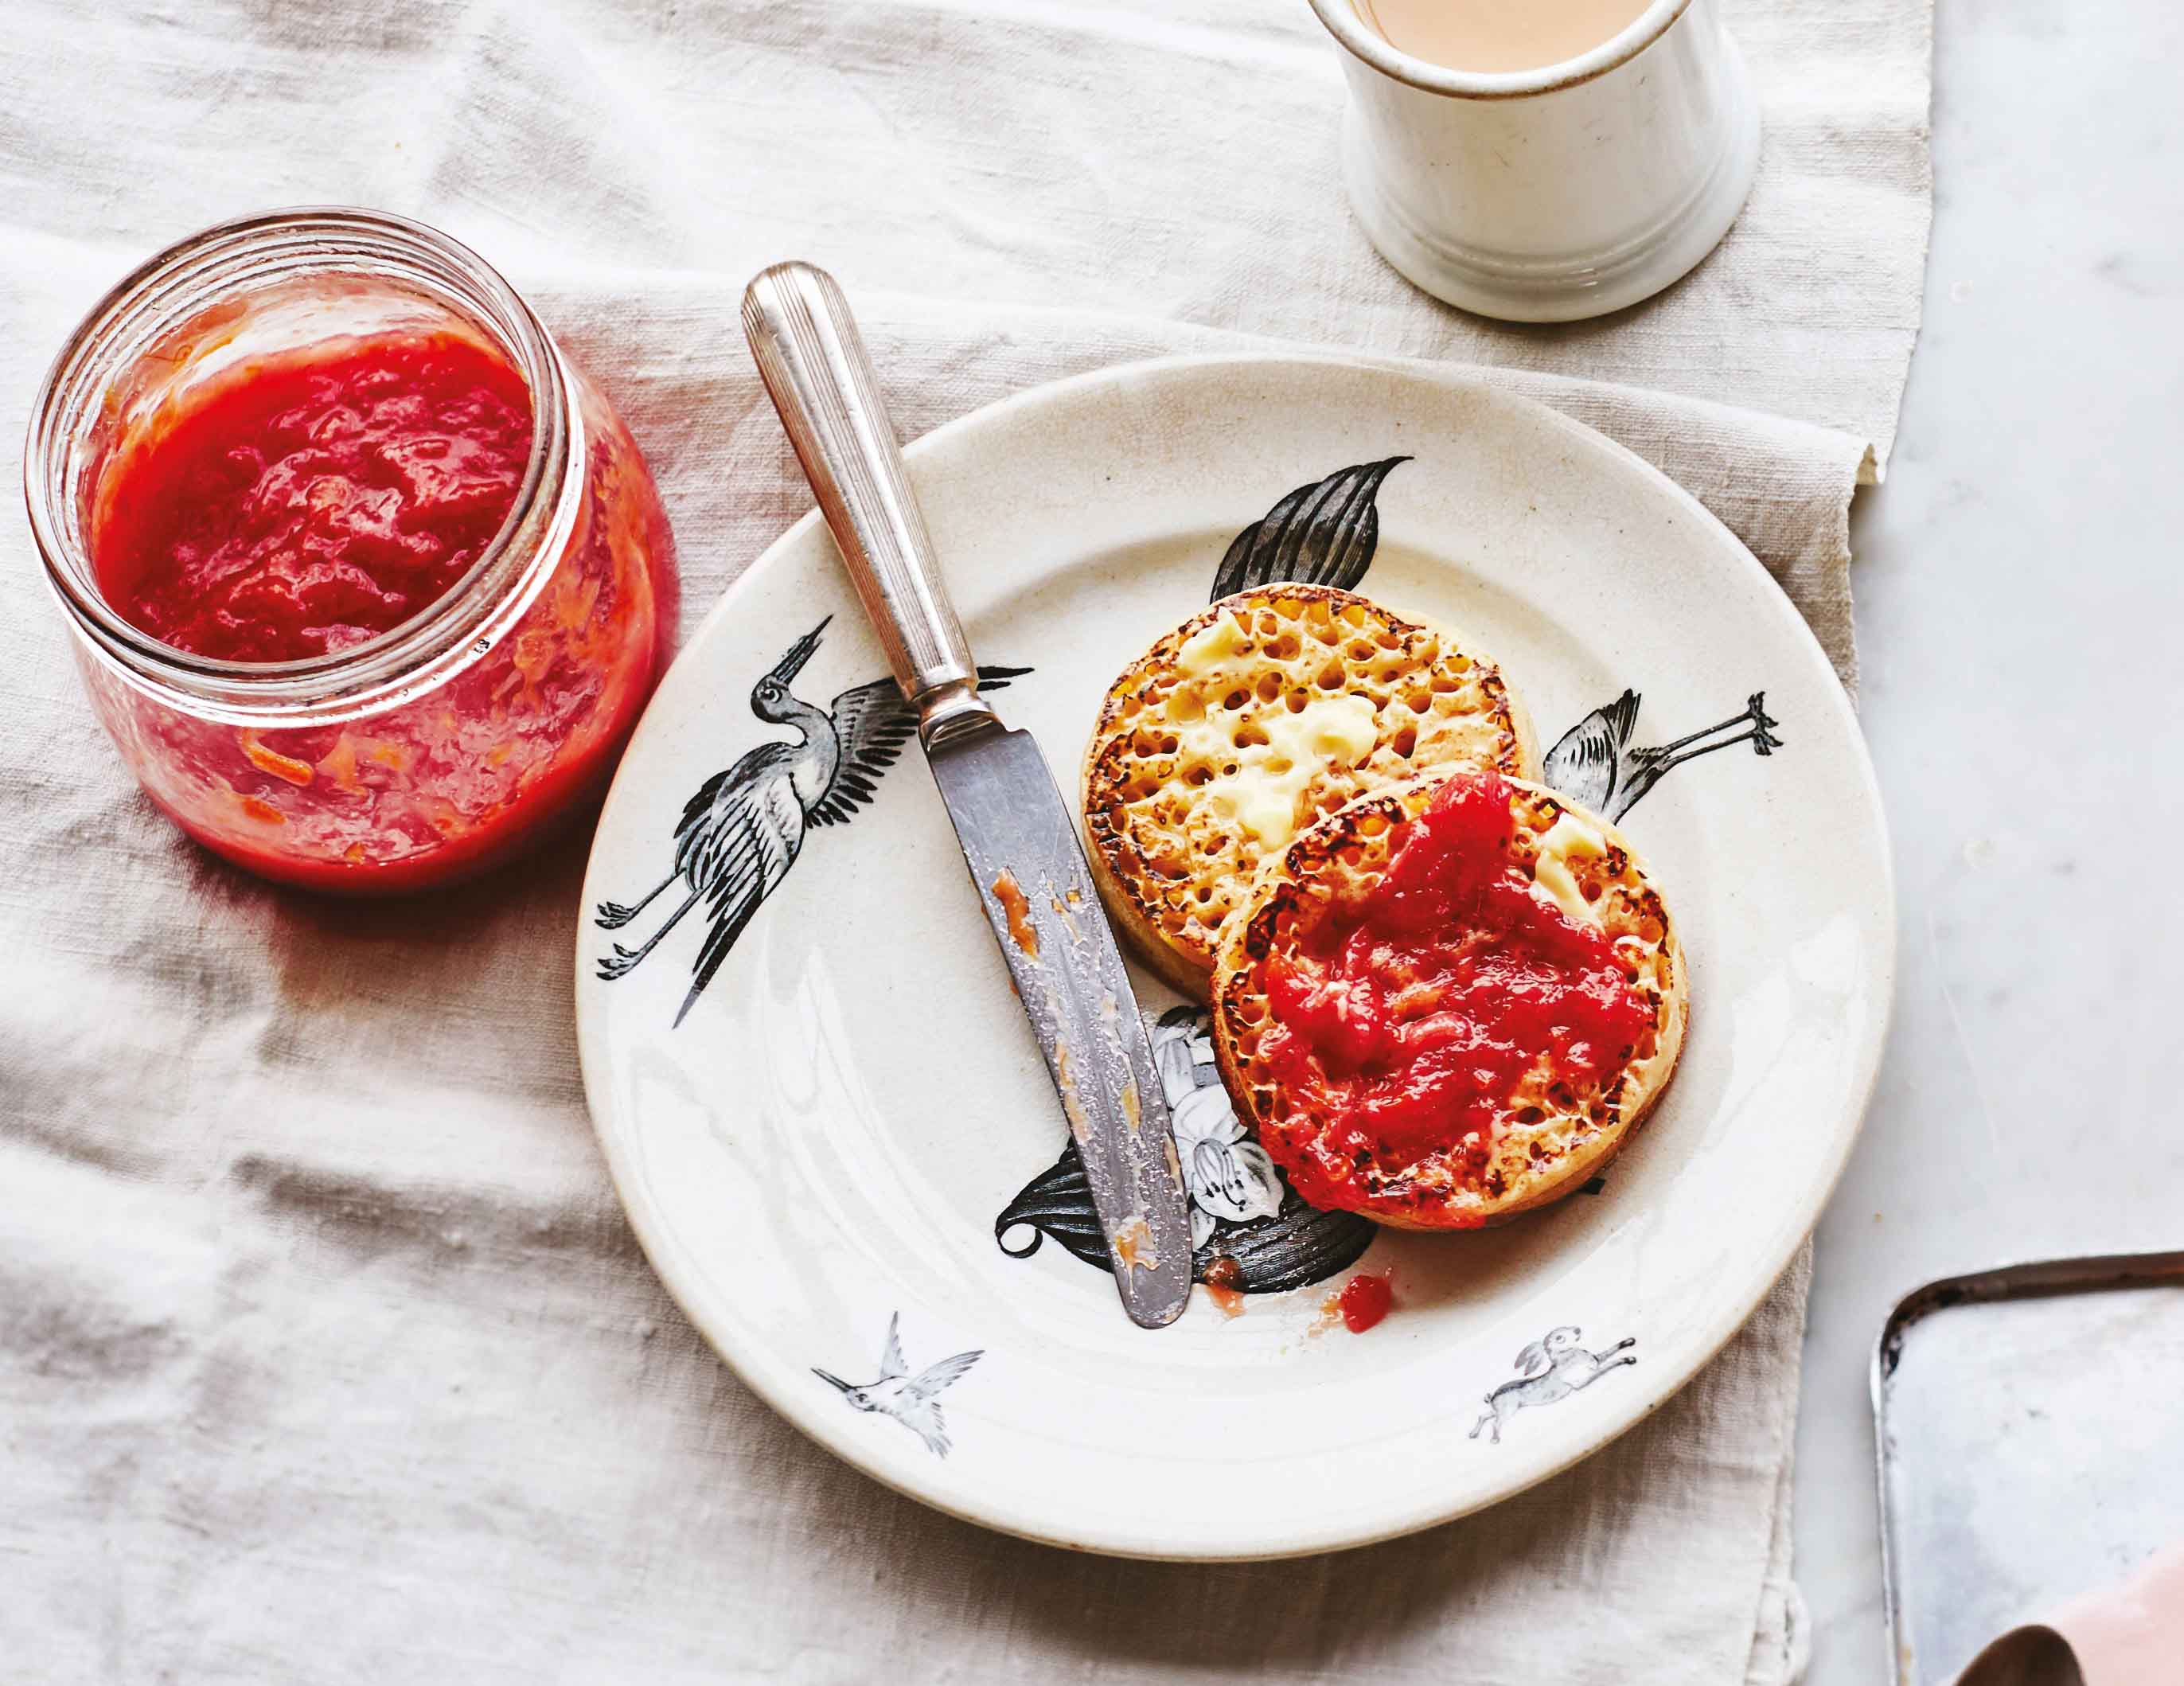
x,y
369,584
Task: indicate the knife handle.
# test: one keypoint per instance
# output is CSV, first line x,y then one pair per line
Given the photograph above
x,y
816,368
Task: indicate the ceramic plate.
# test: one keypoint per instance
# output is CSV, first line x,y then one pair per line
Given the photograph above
x,y
831,1128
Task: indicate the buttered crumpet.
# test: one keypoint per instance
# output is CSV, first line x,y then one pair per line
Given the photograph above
x,y
1449,1002
1246,725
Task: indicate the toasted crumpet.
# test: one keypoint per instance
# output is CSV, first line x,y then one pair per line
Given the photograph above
x,y
1556,1128
1249,721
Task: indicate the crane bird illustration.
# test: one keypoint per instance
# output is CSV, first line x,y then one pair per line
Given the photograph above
x,y
1595,764
741,833
913,1401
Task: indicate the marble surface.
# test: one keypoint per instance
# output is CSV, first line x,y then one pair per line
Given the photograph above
x,y
2020,603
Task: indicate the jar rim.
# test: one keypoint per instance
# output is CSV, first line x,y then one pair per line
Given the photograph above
x,y
235,256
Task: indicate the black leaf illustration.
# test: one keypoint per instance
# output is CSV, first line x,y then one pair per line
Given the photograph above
x,y
1321,534
1296,1246
1056,1202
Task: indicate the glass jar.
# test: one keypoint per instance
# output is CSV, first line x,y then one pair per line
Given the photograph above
x,y
431,749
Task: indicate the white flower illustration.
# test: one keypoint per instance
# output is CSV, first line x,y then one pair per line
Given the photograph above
x,y
1230,1176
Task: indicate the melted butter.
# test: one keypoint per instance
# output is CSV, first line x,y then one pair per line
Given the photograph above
x,y
1569,837
1208,647
1072,1108
1133,1246
1336,731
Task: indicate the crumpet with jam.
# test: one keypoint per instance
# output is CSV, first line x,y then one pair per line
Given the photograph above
x,y
1451,1002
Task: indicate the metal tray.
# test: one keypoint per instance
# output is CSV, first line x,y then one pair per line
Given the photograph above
x,y
2030,1424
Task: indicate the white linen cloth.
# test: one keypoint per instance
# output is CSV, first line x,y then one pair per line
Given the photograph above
x,y
325,1354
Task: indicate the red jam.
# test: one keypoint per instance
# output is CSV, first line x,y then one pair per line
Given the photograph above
x,y
1409,1015
1365,1299
304,502
321,502
1223,1280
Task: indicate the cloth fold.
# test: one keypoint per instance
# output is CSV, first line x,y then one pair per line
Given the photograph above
x,y
326,1353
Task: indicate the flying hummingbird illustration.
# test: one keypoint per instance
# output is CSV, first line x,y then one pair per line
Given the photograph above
x,y
913,1401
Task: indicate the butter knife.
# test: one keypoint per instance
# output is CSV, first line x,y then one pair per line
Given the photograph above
x,y
1019,836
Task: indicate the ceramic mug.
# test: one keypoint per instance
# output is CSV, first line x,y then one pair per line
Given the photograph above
x,y
1550,195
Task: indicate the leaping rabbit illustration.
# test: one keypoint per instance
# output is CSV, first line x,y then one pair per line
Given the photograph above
x,y
1549,1369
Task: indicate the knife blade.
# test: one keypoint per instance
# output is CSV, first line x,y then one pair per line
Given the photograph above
x,y
1020,841
1019,835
